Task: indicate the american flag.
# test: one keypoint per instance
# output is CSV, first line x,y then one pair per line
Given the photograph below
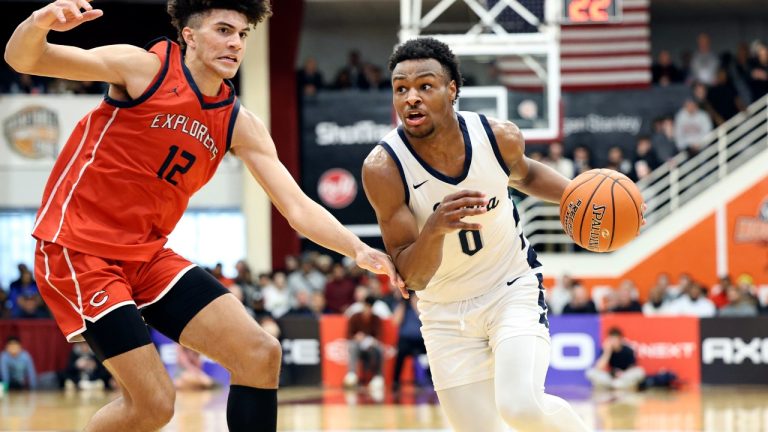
x,y
595,56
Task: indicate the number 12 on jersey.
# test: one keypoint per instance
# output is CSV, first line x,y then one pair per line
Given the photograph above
x,y
176,168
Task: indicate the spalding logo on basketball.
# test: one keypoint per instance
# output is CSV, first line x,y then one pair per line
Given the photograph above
x,y
601,210
337,188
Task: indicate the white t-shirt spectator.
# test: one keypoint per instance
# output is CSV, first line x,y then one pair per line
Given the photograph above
x,y
691,126
702,307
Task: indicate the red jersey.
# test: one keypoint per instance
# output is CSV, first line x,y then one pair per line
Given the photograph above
x,y
125,176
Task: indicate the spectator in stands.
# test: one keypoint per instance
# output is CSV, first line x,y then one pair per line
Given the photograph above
x,y
719,292
557,161
28,84
663,138
291,264
318,304
580,302
724,98
364,332
691,126
339,290
664,72
560,294
656,305
617,161
694,302
617,367
84,371
626,298
739,71
353,74
645,159
17,370
244,280
5,311
309,78
218,272
673,292
30,306
740,304
306,278
277,297
375,77
190,374
409,342
582,161
301,305
363,292
758,73
25,284
704,63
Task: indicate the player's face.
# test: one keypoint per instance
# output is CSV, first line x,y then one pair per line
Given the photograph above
x,y
220,41
423,96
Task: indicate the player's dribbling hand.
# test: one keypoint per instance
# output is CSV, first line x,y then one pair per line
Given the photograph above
x,y
447,216
63,15
380,263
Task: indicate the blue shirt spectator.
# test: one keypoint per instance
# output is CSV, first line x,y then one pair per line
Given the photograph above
x,y
17,370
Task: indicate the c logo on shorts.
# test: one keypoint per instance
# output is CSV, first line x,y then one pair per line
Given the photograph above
x,y
95,303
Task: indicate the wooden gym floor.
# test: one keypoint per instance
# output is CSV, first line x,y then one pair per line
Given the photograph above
x,y
716,409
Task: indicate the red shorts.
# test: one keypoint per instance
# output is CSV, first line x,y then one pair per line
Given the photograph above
x,y
79,287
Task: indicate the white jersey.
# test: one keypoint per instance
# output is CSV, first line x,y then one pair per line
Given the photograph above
x,y
474,262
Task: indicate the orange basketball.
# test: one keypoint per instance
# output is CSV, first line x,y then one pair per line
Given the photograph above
x,y
601,210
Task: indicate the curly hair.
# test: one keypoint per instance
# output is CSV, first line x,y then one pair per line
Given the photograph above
x,y
429,48
181,11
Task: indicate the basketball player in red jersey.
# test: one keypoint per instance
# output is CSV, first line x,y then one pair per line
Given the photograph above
x,y
120,186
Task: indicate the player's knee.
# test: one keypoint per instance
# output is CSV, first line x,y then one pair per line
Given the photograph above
x,y
261,354
157,409
518,409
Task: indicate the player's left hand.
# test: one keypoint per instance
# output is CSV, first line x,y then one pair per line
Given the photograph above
x,y
380,263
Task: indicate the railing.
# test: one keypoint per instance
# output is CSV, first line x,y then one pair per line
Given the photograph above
x,y
675,182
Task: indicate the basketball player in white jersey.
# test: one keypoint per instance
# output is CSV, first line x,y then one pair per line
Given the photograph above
x,y
439,184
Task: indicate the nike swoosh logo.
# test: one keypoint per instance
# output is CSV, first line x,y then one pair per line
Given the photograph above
x,y
416,186
513,281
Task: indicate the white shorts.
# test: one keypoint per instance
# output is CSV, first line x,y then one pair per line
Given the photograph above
x,y
462,336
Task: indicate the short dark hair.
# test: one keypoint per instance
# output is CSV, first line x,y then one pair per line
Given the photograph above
x,y
429,48
615,331
181,11
370,300
12,339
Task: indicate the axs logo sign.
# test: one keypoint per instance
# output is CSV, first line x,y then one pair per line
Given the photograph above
x,y
734,351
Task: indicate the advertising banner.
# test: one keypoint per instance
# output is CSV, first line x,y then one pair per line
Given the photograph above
x,y
301,350
339,129
734,350
747,219
574,349
661,344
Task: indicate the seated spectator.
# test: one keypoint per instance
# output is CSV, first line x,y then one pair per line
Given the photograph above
x,y
364,332
557,161
409,342
581,160
673,292
719,292
617,367
663,138
625,298
617,161
29,84
739,303
25,284
301,306
758,72
84,371
645,159
724,98
309,78
656,305
190,374
691,127
318,304
664,72
352,75
17,370
5,312
306,278
375,77
218,272
277,298
560,295
580,302
362,292
30,306
704,63
693,302
339,290
244,280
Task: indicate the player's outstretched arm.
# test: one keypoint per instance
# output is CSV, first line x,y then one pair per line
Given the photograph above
x,y
526,175
252,143
417,255
28,50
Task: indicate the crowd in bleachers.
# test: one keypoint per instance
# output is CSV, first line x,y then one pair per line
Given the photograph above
x,y
688,297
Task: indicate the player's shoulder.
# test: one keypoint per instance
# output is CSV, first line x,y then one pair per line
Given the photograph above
x,y
508,137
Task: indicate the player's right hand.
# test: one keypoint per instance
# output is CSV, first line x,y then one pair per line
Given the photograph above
x,y
447,216
63,15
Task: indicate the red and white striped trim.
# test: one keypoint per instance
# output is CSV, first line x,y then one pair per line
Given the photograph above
x,y
64,173
80,176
